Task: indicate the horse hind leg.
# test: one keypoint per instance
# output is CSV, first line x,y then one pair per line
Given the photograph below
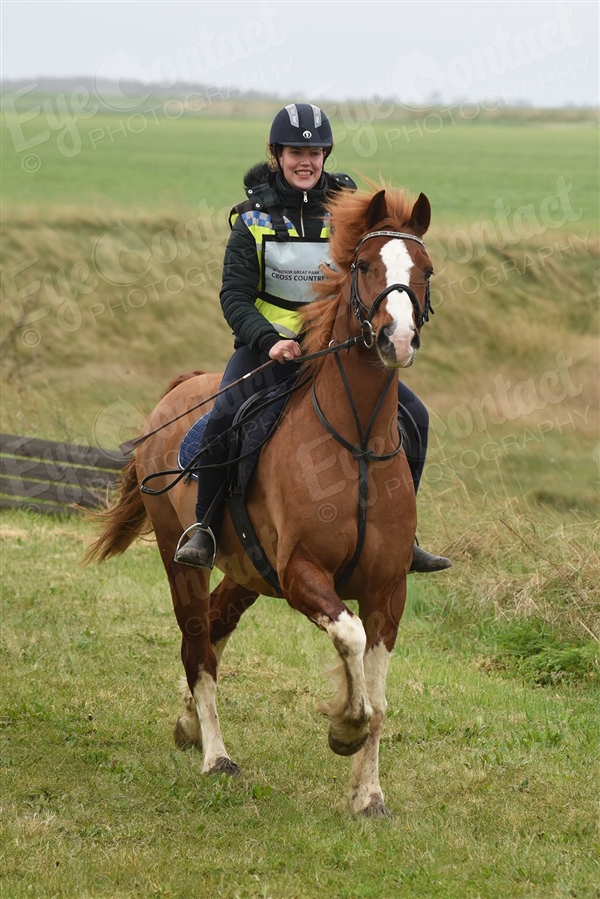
x,y
228,601
187,729
216,758
199,725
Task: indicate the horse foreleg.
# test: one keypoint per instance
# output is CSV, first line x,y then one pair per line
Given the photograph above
x,y
350,710
366,796
309,589
381,623
200,722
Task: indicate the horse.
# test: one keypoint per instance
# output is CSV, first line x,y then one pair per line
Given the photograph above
x,y
331,499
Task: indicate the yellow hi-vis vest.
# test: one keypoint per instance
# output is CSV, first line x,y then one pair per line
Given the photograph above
x,y
288,269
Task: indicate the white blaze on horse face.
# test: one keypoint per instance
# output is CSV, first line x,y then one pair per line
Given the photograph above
x,y
399,265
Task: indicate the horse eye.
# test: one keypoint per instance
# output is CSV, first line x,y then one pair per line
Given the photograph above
x,y
363,267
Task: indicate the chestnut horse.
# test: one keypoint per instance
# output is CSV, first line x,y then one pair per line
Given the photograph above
x,y
332,476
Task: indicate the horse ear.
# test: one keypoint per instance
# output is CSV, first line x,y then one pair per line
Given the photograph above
x,y
420,216
377,210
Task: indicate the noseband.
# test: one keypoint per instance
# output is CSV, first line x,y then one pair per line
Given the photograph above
x,y
421,316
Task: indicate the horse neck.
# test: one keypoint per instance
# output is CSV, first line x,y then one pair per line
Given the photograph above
x,y
366,377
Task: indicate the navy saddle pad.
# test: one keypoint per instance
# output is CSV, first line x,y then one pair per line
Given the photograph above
x,y
252,434
191,444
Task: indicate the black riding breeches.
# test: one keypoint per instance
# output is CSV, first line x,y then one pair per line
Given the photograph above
x,y
416,419
214,444
211,480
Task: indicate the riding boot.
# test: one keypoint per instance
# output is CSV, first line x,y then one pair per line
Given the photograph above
x,y
199,551
424,561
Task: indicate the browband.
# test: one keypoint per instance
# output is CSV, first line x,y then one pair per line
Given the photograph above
x,y
401,234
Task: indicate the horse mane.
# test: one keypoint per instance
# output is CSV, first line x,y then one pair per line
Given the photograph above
x,y
348,213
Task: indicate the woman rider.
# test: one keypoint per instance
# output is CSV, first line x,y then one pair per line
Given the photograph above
x,y
281,226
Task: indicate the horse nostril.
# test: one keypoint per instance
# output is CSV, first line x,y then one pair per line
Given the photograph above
x,y
416,341
383,340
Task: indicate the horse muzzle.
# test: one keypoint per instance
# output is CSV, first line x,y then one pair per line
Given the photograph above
x,y
397,350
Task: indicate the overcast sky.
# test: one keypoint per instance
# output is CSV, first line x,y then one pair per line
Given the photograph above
x,y
545,53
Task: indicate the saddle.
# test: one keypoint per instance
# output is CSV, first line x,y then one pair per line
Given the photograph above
x,y
255,421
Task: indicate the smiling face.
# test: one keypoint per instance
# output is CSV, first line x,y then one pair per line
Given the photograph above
x,y
302,166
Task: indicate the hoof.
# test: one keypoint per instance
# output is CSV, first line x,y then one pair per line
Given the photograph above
x,y
375,809
182,736
346,748
225,766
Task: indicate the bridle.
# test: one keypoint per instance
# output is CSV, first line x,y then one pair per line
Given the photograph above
x,y
365,321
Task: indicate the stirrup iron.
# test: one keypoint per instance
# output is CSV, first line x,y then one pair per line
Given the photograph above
x,y
198,526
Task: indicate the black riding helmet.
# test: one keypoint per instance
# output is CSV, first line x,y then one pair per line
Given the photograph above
x,y
301,125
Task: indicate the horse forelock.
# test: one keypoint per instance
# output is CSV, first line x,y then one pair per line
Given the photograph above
x,y
348,222
349,219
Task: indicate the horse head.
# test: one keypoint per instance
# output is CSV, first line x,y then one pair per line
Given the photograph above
x,y
390,277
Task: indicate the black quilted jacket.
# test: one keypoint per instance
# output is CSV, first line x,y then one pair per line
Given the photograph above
x,y
241,271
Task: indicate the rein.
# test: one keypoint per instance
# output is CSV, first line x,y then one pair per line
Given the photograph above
x,y
360,451
130,445
192,466
366,336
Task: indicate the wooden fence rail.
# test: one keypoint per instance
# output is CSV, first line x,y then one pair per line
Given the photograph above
x,y
54,478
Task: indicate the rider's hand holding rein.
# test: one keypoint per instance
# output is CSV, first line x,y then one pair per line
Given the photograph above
x,y
285,351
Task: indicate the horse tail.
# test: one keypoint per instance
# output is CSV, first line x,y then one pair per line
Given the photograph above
x,y
126,518
122,522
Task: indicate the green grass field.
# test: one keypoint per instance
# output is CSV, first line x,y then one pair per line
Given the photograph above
x,y
165,164
110,281
491,778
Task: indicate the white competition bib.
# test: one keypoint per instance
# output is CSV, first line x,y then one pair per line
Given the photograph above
x,y
292,267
